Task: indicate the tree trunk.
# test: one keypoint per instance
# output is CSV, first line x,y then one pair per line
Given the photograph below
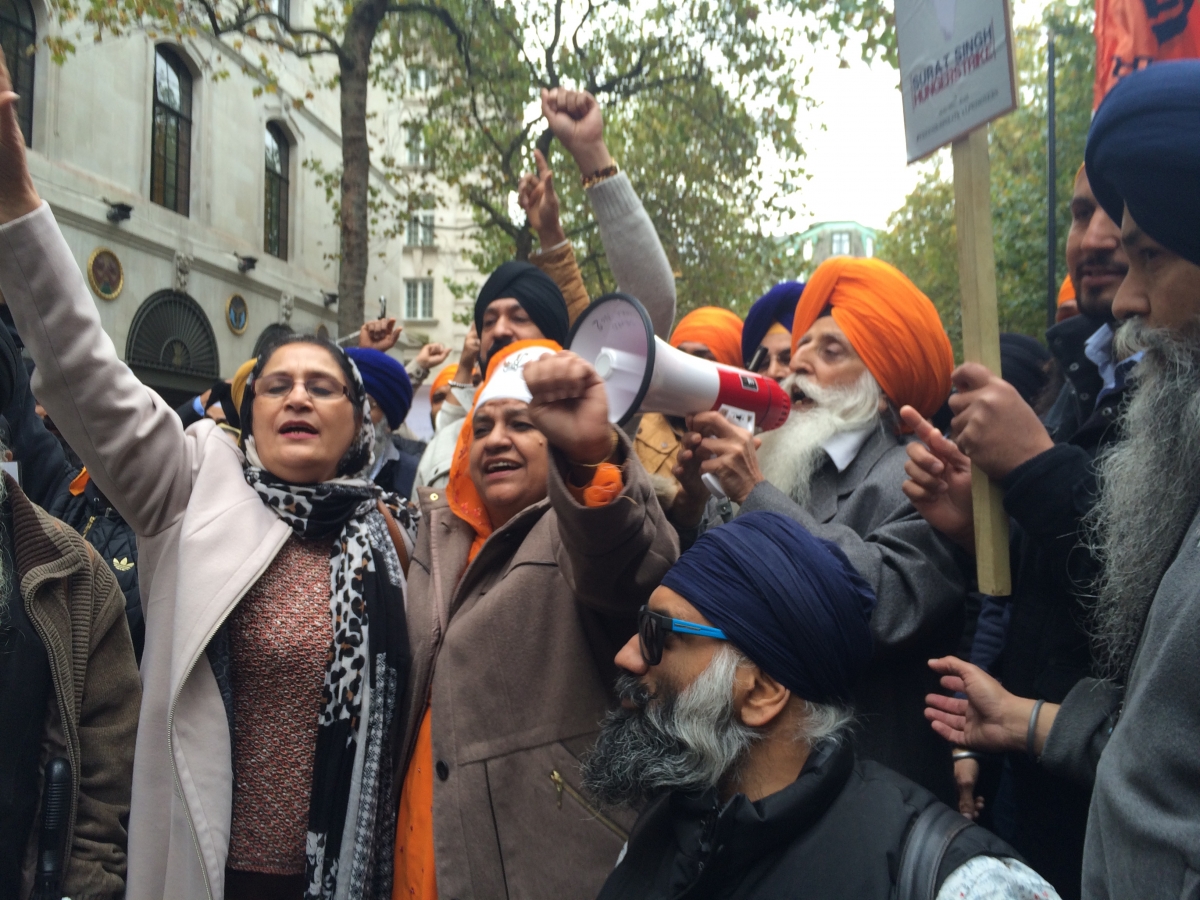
x,y
355,63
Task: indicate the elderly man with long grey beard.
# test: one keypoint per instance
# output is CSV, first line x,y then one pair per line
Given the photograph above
x,y
732,732
865,341
1133,732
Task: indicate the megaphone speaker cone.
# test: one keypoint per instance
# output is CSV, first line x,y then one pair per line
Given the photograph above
x,y
643,373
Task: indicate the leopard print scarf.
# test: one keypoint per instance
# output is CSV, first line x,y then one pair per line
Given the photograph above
x,y
349,850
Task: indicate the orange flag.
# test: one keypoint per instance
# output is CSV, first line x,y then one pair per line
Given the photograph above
x,y
1132,34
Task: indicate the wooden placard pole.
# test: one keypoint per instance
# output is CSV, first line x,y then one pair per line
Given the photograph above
x,y
981,338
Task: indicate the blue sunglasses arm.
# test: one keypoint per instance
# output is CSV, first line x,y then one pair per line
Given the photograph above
x,y
684,627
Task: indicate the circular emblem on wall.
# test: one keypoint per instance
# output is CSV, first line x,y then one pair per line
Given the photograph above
x,y
105,274
237,316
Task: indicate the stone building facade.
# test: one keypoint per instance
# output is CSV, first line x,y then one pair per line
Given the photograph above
x,y
191,202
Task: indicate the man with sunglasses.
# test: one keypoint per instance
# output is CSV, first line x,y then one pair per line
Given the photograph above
x,y
733,733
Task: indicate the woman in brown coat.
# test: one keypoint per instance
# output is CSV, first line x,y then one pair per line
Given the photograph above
x,y
526,579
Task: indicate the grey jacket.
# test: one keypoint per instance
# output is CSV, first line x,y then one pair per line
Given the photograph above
x,y
635,254
1143,835
920,586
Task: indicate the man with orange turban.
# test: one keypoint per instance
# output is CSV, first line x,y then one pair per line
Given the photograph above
x,y
865,341
528,573
710,332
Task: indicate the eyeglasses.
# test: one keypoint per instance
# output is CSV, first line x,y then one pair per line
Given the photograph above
x,y
320,388
653,628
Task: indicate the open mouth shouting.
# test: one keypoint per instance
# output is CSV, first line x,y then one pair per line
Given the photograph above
x,y
298,430
500,468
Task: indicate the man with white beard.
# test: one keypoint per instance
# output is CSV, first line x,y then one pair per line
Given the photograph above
x,y
865,341
1133,732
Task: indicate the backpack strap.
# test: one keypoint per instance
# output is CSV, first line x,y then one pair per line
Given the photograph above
x,y
925,845
397,537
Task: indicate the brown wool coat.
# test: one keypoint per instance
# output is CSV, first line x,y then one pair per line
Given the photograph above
x,y
76,607
515,655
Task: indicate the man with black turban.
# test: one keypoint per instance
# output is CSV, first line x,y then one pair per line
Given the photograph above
x,y
733,732
1134,733
519,302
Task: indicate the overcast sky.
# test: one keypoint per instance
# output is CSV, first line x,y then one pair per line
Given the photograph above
x,y
857,162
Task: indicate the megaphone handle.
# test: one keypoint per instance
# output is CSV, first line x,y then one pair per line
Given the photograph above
x,y
713,485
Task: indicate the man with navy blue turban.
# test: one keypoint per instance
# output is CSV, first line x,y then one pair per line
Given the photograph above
x,y
733,732
768,327
1132,735
390,393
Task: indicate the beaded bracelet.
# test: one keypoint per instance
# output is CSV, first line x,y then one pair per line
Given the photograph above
x,y
600,175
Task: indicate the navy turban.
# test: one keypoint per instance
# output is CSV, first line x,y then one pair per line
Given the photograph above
x,y
534,290
776,305
386,380
789,601
1143,152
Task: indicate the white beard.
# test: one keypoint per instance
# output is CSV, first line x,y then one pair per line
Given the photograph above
x,y
791,454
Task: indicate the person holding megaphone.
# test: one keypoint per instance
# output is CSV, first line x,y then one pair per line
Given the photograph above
x,y
526,579
865,341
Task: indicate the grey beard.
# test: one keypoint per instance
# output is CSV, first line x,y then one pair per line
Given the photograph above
x,y
791,454
1149,486
676,740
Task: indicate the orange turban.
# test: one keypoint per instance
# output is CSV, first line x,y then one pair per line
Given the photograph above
x,y
717,328
1066,293
461,493
891,325
443,378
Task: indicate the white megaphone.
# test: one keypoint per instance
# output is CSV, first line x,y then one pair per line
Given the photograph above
x,y
643,373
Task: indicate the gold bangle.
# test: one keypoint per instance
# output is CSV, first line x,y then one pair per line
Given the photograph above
x,y
599,175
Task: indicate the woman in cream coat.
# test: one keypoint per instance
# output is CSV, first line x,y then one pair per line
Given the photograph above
x,y
212,518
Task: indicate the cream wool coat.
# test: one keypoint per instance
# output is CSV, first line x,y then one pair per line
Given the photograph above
x,y
204,538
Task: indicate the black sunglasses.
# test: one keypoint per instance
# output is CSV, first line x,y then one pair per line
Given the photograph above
x,y
653,628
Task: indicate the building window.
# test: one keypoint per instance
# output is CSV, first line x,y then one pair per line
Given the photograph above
x,y
418,155
419,79
869,246
275,222
418,298
171,150
18,37
841,243
420,229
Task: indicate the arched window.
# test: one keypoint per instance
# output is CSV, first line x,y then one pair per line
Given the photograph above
x,y
18,37
171,148
171,336
276,219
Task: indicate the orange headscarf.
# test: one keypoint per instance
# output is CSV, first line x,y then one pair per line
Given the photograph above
x,y
889,323
717,328
461,493
1066,293
443,378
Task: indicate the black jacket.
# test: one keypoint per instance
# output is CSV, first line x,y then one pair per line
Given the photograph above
x,y
837,831
398,475
1046,650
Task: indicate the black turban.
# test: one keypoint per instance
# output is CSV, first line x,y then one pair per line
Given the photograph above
x,y
534,290
791,602
1143,152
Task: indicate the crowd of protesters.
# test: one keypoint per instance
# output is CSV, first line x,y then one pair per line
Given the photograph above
x,y
270,645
